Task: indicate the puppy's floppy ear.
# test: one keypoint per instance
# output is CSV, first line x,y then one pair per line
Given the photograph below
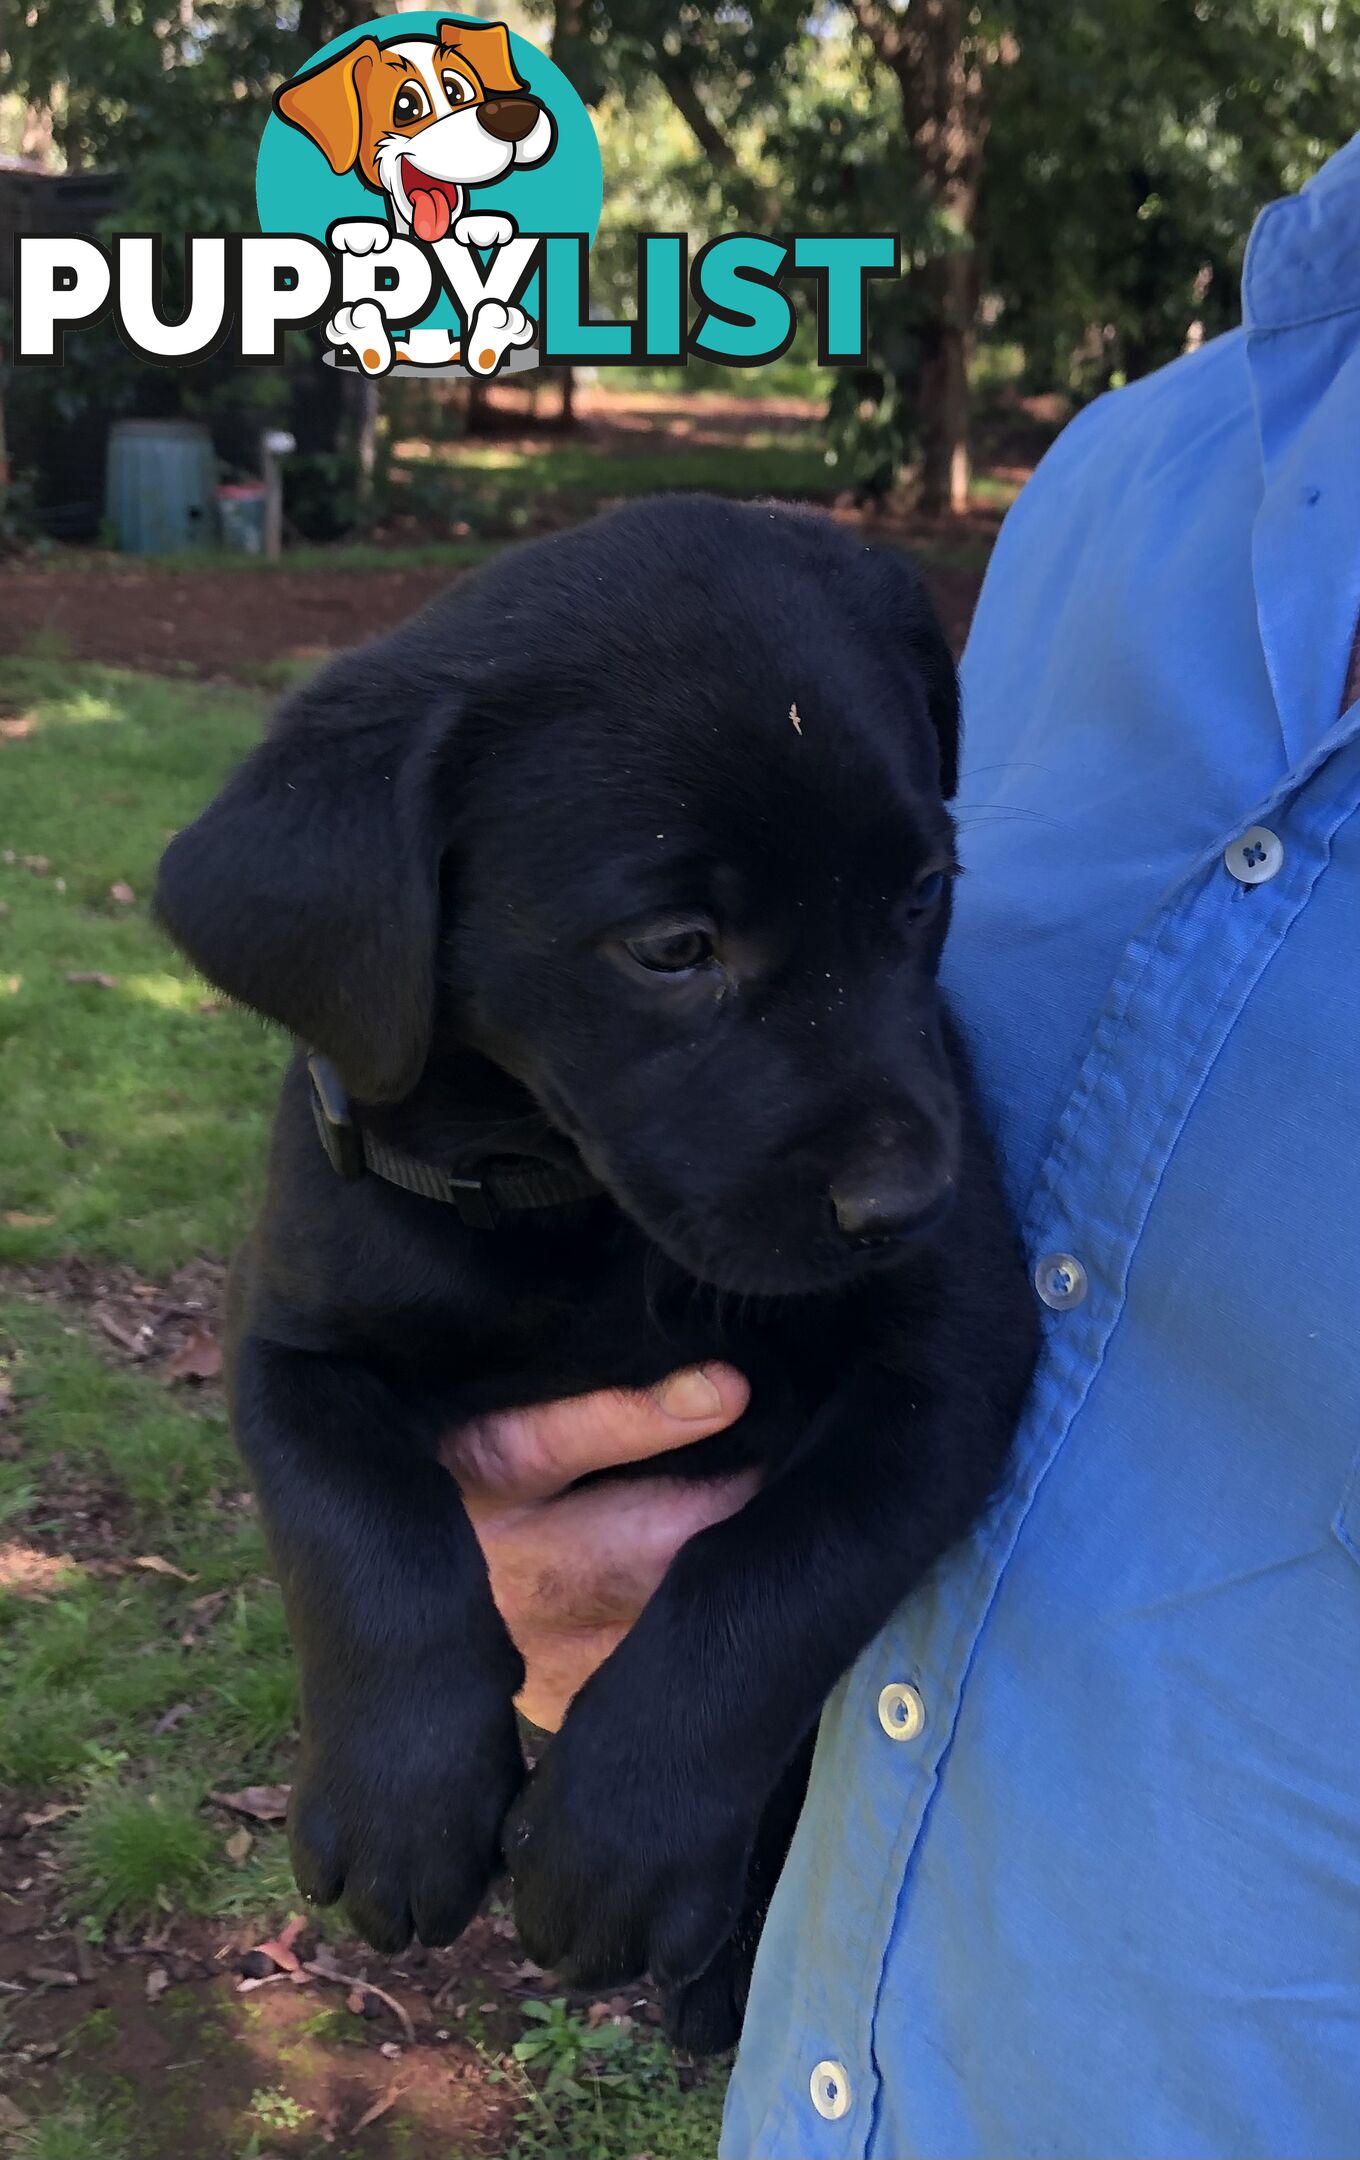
x,y
486,48
309,889
327,104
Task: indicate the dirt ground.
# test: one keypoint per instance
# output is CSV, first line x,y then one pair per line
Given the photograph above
x,y
241,623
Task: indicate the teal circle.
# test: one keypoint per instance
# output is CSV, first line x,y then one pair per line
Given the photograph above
x,y
296,191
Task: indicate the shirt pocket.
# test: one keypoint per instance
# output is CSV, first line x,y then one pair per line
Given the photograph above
x,y
1346,1521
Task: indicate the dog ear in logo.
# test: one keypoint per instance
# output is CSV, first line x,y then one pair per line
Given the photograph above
x,y
327,104
422,121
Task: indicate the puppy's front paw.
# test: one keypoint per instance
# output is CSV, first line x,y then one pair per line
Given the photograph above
x,y
484,229
359,236
399,1806
624,1866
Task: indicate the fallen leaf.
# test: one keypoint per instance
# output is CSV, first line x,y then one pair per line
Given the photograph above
x,y
53,1976
199,1357
354,2002
16,1219
280,1946
6,1397
154,1565
204,1610
263,1803
122,892
38,864
391,2050
157,1981
11,2117
40,1817
379,2107
136,1340
93,975
237,1847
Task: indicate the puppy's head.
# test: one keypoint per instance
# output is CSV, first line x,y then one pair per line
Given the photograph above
x,y
421,119
651,816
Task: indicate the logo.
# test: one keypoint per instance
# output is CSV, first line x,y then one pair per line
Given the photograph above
x,y
429,187
453,134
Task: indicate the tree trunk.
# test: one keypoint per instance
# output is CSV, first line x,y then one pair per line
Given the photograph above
x,y
946,470
938,61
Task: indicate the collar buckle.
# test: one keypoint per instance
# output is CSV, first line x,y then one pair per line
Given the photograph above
x,y
336,1129
473,1203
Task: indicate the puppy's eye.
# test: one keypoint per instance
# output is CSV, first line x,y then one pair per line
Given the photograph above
x,y
457,89
927,892
411,104
670,952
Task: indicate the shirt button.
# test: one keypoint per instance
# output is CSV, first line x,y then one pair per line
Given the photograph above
x,y
1060,1280
830,2088
1256,856
901,1710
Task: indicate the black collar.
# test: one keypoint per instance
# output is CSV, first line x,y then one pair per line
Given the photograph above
x,y
510,1185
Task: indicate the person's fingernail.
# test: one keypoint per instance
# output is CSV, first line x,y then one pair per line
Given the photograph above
x,y
690,1395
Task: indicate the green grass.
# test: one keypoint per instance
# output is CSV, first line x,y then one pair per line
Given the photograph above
x,y
80,2127
137,1853
496,487
134,1119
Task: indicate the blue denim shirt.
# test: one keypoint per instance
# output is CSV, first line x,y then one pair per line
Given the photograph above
x,y
1088,1882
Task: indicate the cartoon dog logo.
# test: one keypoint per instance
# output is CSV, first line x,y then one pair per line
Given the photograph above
x,y
423,120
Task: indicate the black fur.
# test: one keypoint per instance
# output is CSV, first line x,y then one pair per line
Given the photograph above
x,y
429,871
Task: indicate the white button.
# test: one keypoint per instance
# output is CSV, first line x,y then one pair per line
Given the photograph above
x,y
1060,1280
1256,856
901,1711
830,2088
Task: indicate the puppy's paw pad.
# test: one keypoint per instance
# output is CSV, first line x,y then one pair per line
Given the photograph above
x,y
359,236
363,327
484,229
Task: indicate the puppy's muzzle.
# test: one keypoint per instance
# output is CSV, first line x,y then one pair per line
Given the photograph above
x,y
509,119
892,1203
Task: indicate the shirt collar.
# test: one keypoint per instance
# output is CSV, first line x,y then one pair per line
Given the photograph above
x,y
1303,258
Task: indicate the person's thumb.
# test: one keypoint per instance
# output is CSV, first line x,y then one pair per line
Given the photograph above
x,y
518,1456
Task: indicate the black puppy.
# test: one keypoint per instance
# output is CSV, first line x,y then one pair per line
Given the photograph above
x,y
608,897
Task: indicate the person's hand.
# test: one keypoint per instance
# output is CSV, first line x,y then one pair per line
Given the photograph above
x,y
571,1571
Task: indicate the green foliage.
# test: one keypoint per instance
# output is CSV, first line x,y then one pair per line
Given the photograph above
x,y
1129,152
276,2110
81,2126
137,1851
595,2092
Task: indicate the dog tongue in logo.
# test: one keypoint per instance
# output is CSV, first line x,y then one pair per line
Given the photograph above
x,y
434,203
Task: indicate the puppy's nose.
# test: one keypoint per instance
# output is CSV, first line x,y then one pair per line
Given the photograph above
x,y
889,1203
508,119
